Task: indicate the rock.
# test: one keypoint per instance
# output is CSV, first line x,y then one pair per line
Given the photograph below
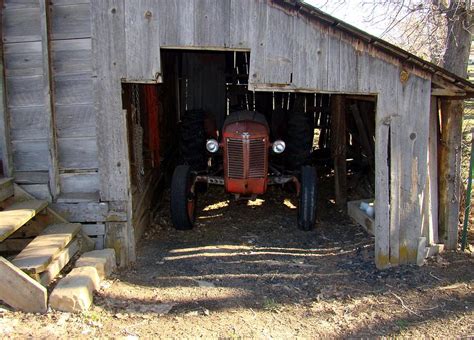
x,y
103,260
74,292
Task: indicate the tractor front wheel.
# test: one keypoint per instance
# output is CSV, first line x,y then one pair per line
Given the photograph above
x,y
307,199
183,198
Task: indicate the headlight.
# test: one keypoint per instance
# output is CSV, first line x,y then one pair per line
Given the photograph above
x,y
278,146
212,145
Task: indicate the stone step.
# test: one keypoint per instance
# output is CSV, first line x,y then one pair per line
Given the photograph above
x,y
38,254
17,215
74,293
6,188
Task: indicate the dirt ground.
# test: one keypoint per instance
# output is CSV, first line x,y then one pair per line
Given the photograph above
x,y
246,271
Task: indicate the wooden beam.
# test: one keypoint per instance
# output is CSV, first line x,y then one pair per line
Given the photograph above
x,y
20,291
5,147
338,148
450,171
48,94
432,185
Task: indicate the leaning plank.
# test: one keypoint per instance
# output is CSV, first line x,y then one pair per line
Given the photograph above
x,y
6,188
59,262
44,248
20,291
17,215
359,216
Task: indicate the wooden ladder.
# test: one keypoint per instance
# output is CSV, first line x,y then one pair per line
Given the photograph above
x,y
24,277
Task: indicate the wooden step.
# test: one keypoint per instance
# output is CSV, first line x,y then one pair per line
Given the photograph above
x,y
6,188
16,215
38,254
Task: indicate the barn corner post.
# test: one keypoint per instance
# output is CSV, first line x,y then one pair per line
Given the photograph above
x,y
450,171
108,46
382,204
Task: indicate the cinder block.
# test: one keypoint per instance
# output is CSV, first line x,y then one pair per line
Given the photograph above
x,y
74,292
102,260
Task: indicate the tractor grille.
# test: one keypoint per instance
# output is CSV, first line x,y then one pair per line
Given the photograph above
x,y
235,158
256,162
257,158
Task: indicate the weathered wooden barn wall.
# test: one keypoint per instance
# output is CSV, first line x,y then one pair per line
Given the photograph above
x,y
48,50
65,61
289,51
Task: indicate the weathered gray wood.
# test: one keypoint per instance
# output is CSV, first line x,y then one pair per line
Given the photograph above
x,y
395,172
21,24
109,59
59,262
73,89
120,237
94,229
382,212
432,185
28,123
333,70
40,252
414,110
39,191
20,291
72,56
5,148
78,197
211,22
23,59
84,182
30,155
179,17
27,177
77,153
20,3
348,68
25,91
75,120
82,212
6,188
310,60
48,100
449,172
71,21
142,35
278,60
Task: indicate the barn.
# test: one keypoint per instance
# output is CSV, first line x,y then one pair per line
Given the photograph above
x,y
92,93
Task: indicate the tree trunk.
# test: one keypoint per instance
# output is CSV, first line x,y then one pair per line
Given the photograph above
x,y
458,44
456,57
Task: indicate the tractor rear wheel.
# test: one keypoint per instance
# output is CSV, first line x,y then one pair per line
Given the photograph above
x,y
183,198
307,199
193,139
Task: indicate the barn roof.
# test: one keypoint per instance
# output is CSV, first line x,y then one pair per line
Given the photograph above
x,y
447,81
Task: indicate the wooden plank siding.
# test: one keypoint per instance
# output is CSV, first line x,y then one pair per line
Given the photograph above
x,y
97,44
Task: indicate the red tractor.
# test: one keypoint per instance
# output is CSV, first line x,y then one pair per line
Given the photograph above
x,y
241,161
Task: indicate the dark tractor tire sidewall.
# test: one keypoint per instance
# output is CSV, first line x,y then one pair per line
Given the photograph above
x,y
307,199
180,191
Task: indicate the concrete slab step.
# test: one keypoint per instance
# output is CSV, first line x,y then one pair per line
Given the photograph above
x,y
6,188
38,254
17,215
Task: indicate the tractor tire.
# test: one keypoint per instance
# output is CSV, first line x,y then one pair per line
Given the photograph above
x,y
193,140
299,140
307,199
183,199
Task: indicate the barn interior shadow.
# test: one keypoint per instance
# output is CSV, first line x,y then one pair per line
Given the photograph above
x,y
251,255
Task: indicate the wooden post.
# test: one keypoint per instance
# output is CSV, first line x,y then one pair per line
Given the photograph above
x,y
48,100
338,148
4,118
450,171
